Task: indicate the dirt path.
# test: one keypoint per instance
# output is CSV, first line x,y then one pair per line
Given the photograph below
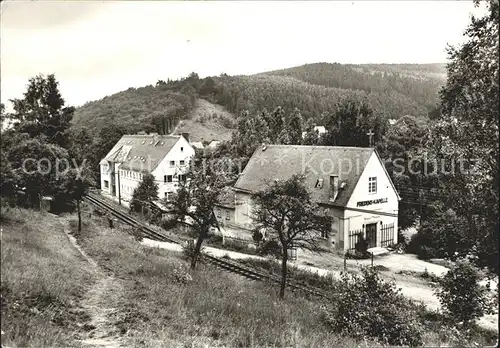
x,y
97,302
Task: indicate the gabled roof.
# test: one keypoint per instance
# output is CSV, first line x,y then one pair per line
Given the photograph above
x,y
141,152
197,144
213,144
318,163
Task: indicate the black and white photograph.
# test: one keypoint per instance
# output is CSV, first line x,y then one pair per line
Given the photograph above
x,y
249,174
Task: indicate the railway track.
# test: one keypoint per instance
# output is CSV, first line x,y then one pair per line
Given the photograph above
x,y
226,265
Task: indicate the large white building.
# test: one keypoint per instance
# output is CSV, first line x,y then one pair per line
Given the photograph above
x,y
167,157
349,183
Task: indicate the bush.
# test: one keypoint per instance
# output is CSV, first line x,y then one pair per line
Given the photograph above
x,y
368,306
257,236
356,255
270,247
462,298
426,253
362,245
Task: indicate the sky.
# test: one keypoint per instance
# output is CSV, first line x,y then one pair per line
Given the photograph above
x,y
97,48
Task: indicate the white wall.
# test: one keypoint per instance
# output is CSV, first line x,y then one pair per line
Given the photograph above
x,y
356,220
243,210
105,177
181,151
129,180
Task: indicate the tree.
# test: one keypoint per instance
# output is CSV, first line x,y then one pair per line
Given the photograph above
x,y
368,306
312,135
5,118
468,128
77,182
461,295
195,199
42,111
8,178
275,122
286,209
403,144
294,127
348,125
40,167
444,235
146,192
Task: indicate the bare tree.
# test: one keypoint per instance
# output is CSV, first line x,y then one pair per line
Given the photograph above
x,y
285,208
195,198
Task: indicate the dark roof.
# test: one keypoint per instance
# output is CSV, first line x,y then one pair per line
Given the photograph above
x,y
141,152
316,162
226,198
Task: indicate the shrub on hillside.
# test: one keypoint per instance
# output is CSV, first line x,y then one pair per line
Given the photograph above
x,y
270,247
371,307
462,298
356,255
442,236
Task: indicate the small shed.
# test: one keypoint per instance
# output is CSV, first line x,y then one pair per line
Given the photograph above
x,y
46,203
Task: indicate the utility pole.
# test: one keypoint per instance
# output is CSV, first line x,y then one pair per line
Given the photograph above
x,y
119,188
370,135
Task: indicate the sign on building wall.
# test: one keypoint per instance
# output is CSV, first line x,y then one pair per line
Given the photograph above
x,y
372,201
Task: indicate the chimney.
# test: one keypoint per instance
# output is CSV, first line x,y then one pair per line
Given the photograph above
x,y
186,136
334,187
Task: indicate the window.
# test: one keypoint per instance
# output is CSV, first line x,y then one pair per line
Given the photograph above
x,y
181,163
106,184
372,185
169,178
218,213
182,177
172,163
164,178
182,149
319,183
228,215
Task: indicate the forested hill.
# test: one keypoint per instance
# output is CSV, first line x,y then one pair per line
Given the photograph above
x,y
392,90
409,85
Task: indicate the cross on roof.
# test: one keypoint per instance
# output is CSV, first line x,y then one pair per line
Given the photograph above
x,y
370,135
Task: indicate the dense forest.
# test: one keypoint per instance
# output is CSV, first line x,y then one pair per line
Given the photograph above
x,y
391,91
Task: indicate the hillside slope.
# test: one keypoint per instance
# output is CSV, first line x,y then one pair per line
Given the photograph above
x,y
207,122
43,279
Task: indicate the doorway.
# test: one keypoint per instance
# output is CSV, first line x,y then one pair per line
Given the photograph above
x,y
371,235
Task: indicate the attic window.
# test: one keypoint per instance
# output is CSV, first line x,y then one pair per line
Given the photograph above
x,y
143,142
182,149
150,143
162,143
319,183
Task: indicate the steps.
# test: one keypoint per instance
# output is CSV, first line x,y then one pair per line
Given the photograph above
x,y
376,251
